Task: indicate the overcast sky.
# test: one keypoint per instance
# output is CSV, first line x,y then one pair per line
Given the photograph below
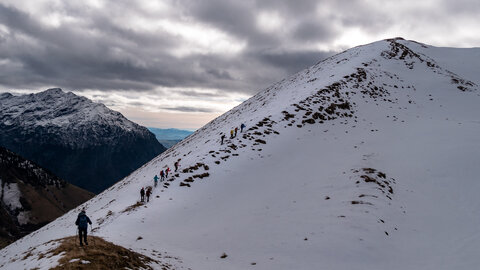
x,y
181,63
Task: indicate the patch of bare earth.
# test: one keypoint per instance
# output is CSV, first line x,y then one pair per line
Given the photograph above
x,y
100,254
132,207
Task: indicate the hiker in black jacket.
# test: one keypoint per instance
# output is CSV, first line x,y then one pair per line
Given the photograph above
x,y
176,165
82,223
142,195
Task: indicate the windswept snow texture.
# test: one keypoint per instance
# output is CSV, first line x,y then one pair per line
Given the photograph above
x,y
367,160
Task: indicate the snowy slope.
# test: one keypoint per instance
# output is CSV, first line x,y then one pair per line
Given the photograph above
x,y
367,160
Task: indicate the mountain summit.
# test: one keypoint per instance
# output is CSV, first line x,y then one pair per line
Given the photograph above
x,y
366,160
79,140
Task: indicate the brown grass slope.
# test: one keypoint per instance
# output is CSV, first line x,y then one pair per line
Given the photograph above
x,y
100,254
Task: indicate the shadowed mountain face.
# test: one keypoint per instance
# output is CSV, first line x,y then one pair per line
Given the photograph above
x,y
81,141
31,196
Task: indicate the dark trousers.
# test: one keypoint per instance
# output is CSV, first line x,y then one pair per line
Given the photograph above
x,y
82,232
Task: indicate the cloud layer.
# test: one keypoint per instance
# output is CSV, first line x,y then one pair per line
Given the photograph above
x,y
116,46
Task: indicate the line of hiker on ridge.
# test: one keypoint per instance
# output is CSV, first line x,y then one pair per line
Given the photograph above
x,y
163,175
233,132
83,220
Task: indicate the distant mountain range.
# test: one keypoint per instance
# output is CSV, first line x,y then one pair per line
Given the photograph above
x,y
83,142
31,196
170,136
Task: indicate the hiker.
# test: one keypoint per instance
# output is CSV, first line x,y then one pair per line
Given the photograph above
x,y
142,195
167,171
242,126
149,192
155,180
236,129
231,134
222,137
162,176
176,166
82,224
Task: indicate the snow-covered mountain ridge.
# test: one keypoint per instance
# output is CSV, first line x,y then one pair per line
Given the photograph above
x,y
74,118
366,160
81,141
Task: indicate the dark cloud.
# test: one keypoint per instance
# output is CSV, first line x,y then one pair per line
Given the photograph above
x,y
219,74
188,109
137,103
193,93
97,52
460,7
235,17
313,31
292,62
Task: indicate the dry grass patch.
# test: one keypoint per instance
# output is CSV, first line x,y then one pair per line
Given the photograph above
x,y
133,207
100,254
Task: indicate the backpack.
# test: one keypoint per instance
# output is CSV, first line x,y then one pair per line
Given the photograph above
x,y
82,222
